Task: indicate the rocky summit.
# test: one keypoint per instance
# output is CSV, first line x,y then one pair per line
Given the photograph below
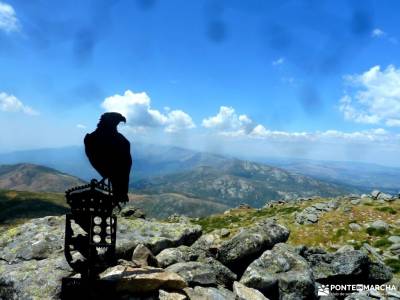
x,y
271,253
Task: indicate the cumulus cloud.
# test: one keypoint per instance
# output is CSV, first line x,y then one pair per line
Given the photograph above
x,y
178,120
10,103
8,18
227,122
373,97
136,107
364,136
80,126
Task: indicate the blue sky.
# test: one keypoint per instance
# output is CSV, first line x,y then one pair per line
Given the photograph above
x,y
312,79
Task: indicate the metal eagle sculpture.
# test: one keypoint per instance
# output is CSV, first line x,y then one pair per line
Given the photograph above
x,y
109,153
90,227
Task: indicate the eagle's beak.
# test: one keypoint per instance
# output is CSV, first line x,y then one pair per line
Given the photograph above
x,y
123,119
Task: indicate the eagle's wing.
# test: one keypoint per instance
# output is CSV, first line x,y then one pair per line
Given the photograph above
x,y
96,154
122,163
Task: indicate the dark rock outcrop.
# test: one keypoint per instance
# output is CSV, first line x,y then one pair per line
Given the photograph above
x,y
237,252
281,273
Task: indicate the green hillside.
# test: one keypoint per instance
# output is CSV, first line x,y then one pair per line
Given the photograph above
x,y
239,181
161,206
35,178
332,230
17,206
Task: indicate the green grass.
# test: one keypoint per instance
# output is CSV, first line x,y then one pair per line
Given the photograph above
x,y
394,264
340,232
16,206
382,243
376,231
388,209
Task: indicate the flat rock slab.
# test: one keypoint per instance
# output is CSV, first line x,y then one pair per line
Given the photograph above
x,y
195,273
33,279
37,239
142,280
155,235
172,256
243,292
209,293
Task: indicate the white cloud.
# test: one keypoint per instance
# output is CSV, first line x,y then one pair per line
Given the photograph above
x,y
8,18
10,103
178,120
365,136
378,33
136,107
393,122
373,97
278,61
227,122
80,126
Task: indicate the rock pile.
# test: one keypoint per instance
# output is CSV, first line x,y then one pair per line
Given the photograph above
x,y
311,213
378,195
164,260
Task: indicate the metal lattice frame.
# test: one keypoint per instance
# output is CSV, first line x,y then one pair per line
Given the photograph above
x,y
90,229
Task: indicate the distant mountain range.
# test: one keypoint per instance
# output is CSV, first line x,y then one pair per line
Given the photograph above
x,y
225,180
364,176
236,181
30,177
148,160
167,171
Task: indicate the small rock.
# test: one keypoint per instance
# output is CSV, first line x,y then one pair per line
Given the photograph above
x,y
143,257
372,251
243,292
345,248
176,218
355,227
132,212
347,209
355,201
163,295
385,196
394,239
208,293
394,294
225,232
379,225
375,194
395,249
244,206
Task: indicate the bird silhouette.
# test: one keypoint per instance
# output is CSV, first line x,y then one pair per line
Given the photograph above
x,y
109,153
